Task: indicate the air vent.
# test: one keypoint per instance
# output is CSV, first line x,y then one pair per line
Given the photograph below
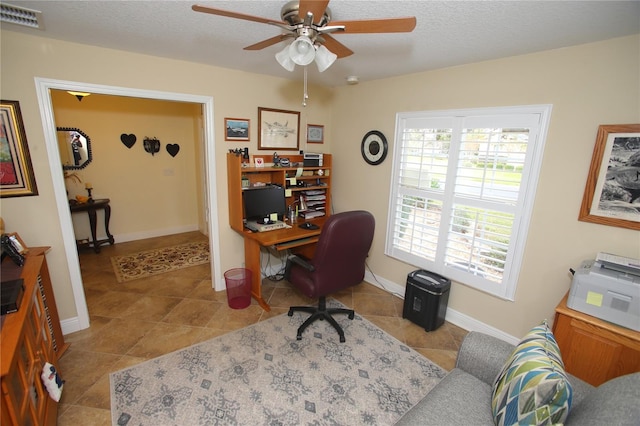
x,y
20,16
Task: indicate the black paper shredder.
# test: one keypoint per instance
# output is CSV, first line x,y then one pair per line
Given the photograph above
x,y
425,299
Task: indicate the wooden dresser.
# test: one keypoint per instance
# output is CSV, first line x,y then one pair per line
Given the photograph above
x,y
592,349
30,337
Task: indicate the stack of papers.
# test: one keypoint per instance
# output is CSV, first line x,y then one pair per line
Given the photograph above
x,y
315,200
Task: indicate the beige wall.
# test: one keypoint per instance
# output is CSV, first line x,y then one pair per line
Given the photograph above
x,y
587,85
235,94
149,194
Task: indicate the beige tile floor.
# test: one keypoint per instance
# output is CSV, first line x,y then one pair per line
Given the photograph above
x,y
142,319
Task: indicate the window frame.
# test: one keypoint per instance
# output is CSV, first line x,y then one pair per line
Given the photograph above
x,y
460,119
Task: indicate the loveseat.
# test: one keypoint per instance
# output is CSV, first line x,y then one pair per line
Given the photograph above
x,y
464,396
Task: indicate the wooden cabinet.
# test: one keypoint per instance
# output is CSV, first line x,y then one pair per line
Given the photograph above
x,y
30,337
592,349
312,178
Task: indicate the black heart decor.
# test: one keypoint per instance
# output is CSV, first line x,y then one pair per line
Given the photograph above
x,y
173,148
128,140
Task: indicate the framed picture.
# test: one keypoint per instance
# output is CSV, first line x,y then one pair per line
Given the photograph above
x,y
16,173
612,194
278,129
315,133
236,129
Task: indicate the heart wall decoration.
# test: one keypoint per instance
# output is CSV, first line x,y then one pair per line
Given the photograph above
x,y
128,140
173,149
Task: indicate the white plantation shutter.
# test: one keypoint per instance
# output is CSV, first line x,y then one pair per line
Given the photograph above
x,y
462,193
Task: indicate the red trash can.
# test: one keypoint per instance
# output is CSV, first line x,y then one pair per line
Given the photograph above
x,y
238,282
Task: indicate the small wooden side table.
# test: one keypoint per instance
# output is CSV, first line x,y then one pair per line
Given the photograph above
x,y
592,349
91,208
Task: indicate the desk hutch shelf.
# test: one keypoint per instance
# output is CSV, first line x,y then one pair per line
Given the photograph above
x,y
314,178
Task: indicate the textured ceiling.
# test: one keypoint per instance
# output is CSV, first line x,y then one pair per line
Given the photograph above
x,y
448,33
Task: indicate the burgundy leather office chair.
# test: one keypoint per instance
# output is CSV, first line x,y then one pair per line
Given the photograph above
x,y
338,263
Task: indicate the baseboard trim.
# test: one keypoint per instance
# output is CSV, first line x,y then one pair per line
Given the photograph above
x,y
123,238
452,316
70,325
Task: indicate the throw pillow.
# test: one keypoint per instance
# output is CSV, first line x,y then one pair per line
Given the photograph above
x,y
532,388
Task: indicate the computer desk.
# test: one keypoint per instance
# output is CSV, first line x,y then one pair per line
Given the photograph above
x,y
299,240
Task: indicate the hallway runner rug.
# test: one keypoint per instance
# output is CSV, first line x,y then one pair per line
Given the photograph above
x,y
158,261
262,375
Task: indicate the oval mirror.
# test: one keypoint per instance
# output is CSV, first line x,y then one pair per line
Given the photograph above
x,y
75,148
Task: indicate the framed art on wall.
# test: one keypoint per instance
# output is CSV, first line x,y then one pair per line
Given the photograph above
x,y
612,193
236,129
315,133
16,172
278,129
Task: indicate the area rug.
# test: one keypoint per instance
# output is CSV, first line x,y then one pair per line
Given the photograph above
x,y
158,261
262,375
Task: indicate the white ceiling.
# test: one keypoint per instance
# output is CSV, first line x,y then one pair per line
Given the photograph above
x,y
448,33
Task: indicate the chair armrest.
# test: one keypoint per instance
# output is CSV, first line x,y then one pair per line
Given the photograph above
x,y
300,261
483,356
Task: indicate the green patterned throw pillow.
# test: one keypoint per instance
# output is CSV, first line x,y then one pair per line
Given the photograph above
x,y
532,388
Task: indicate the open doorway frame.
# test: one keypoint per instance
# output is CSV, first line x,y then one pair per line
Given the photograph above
x,y
43,89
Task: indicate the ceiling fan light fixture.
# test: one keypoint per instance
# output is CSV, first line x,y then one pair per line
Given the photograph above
x,y
284,59
302,51
324,58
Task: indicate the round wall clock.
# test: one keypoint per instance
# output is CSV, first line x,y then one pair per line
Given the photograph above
x,y
374,147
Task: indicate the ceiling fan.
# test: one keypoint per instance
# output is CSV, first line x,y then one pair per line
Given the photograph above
x,y
307,22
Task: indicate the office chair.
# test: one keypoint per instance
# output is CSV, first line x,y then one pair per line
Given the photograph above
x,y
338,263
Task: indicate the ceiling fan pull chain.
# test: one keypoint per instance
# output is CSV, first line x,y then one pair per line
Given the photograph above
x,y
305,96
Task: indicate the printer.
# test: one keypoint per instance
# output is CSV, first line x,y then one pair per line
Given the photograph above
x,y
608,288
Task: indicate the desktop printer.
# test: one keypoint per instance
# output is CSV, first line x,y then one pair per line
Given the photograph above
x,y
312,159
608,288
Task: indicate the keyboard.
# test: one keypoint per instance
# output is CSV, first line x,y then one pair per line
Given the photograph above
x,y
262,227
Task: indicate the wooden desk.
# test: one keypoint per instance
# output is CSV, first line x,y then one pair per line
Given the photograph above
x,y
295,238
91,208
592,349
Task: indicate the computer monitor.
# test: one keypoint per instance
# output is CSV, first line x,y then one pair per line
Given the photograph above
x,y
261,203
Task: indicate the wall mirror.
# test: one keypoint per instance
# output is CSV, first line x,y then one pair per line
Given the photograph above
x,y
75,148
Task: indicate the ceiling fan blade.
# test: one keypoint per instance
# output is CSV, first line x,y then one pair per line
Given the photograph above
x,y
220,12
390,25
336,47
317,7
268,42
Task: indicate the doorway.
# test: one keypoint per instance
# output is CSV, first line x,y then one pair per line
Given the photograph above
x,y
44,87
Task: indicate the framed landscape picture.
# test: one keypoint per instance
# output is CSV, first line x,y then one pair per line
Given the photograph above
x,y
16,172
236,129
612,193
278,129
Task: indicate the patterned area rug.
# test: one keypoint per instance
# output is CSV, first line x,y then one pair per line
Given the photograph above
x,y
159,261
261,375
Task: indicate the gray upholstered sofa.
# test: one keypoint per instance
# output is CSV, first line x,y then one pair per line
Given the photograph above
x,y
463,397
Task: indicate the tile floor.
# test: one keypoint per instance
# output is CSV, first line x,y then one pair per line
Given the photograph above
x,y
142,319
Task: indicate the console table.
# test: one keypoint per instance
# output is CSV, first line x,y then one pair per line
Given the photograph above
x,y
91,208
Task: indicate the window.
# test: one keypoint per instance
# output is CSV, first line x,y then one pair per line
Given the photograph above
x,y
463,190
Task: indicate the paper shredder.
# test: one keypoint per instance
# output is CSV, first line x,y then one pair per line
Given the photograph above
x,y
425,299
